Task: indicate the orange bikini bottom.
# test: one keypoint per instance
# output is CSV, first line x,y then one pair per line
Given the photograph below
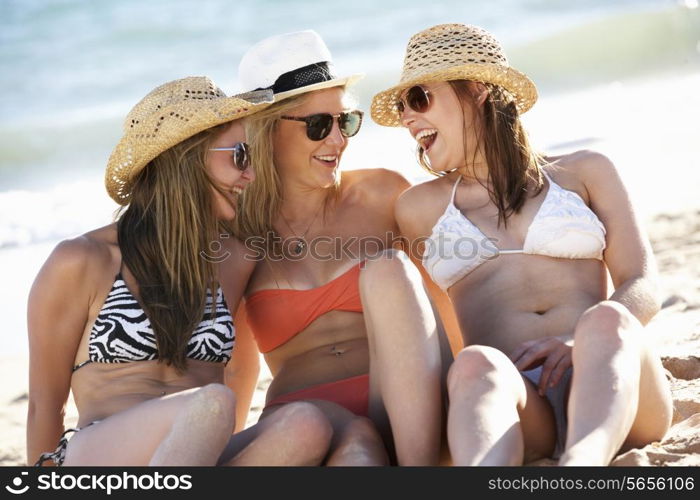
x,y
351,393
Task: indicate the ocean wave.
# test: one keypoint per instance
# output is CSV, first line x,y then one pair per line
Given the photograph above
x,y
66,210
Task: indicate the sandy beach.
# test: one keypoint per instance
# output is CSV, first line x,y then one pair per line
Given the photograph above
x,y
676,331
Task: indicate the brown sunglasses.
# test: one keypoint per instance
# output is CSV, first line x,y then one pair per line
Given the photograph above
x,y
417,98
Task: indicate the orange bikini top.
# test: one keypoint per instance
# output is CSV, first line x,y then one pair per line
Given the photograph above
x,y
277,315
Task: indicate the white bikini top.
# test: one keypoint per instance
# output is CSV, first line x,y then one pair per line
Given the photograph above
x,y
563,227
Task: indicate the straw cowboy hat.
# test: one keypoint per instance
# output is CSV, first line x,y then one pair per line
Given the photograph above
x,y
168,115
453,52
290,64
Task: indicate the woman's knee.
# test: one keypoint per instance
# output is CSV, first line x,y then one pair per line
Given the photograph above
x,y
480,365
361,431
213,402
607,323
306,423
389,267
361,438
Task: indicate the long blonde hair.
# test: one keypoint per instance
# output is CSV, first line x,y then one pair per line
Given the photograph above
x,y
262,200
168,223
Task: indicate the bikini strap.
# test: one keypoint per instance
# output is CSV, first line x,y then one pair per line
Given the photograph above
x,y
80,365
454,189
553,186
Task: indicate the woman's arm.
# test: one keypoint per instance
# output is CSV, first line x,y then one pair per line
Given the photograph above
x,y
241,373
628,254
56,316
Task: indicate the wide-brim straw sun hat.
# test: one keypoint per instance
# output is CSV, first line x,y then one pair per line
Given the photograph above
x,y
453,52
167,116
290,64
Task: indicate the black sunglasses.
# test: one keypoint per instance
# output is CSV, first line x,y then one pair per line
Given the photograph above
x,y
241,157
417,98
318,126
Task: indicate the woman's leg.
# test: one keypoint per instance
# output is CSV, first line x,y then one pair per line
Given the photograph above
x,y
296,434
351,440
495,416
187,428
404,356
356,441
618,390
194,427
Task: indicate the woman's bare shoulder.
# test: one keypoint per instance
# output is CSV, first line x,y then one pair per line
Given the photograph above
x,y
427,188
372,173
579,164
381,182
421,204
76,257
580,171
425,195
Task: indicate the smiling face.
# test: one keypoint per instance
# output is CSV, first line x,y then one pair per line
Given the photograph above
x,y
313,164
446,130
225,175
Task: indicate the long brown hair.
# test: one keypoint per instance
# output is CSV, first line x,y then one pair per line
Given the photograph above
x,y
513,164
168,223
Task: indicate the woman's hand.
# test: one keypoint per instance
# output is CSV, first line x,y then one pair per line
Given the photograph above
x,y
553,353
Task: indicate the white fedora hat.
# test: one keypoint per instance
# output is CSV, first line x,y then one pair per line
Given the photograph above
x,y
290,64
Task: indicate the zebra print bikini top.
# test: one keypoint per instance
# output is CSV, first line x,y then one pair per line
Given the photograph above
x,y
122,332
